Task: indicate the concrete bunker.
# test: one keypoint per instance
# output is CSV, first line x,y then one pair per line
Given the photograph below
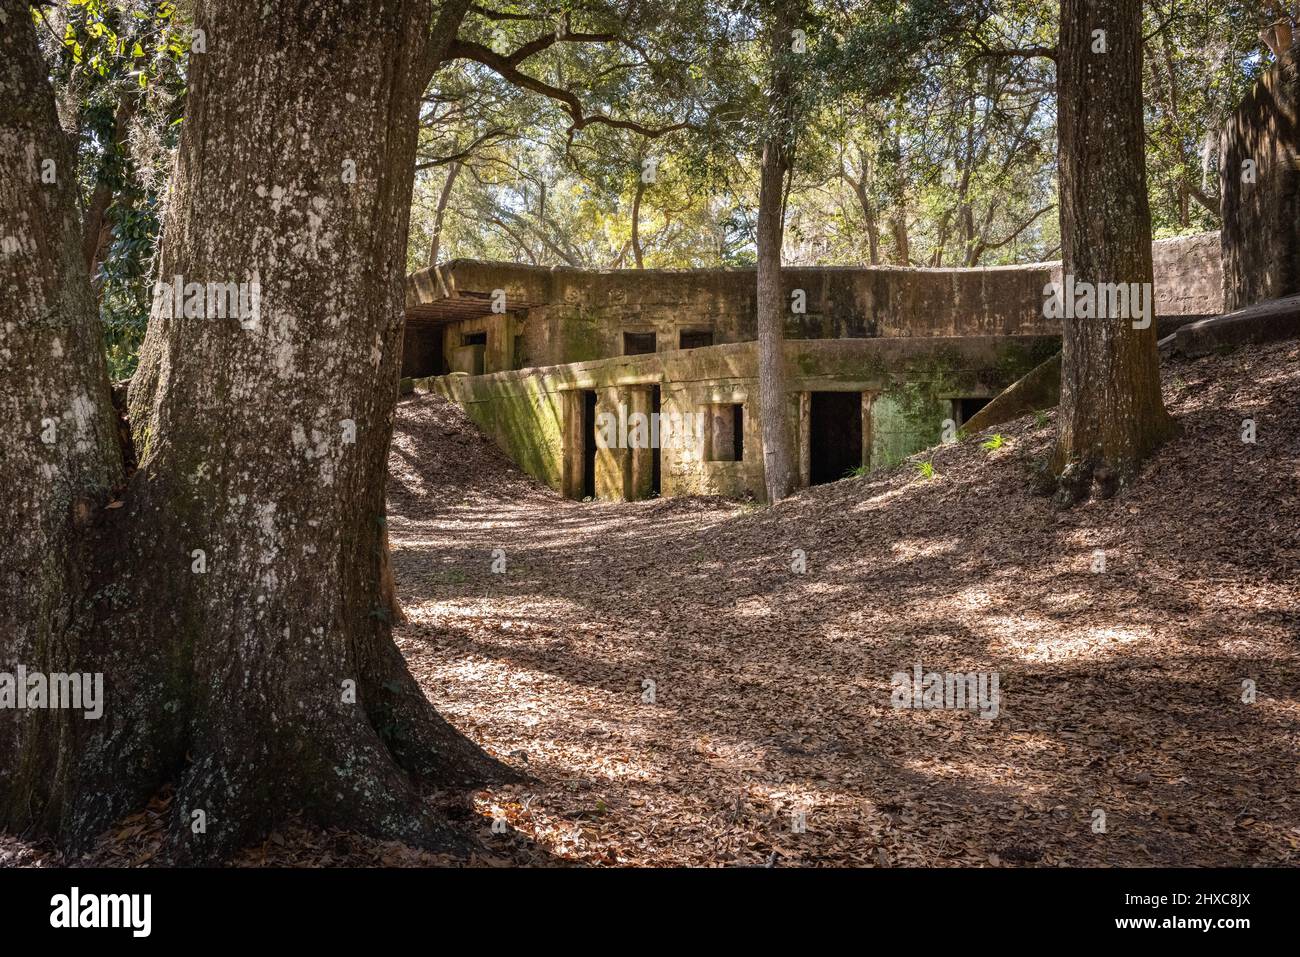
x,y
883,362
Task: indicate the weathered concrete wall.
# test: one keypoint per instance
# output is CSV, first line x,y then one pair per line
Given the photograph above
x,y
587,312
498,350
1188,275
909,382
1261,219
570,315
911,342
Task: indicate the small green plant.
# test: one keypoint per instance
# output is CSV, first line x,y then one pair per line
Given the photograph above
x,y
1040,419
994,443
859,472
926,469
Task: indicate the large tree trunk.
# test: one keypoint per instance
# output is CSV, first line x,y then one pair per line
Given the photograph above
x,y
1111,414
59,453
238,599
778,449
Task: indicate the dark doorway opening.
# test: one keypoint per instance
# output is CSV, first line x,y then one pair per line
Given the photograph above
x,y
589,444
737,433
638,343
966,408
656,465
835,435
421,351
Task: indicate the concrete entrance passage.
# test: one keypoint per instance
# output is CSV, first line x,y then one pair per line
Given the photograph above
x,y
965,409
834,435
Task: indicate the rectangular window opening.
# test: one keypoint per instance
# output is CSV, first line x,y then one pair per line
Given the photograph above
x,y
638,343
696,339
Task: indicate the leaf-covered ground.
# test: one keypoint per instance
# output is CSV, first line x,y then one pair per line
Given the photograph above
x,y
1121,691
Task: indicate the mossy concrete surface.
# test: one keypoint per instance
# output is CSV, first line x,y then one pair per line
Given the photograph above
x,y
910,385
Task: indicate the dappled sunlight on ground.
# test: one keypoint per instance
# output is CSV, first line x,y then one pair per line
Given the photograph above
x,y
680,695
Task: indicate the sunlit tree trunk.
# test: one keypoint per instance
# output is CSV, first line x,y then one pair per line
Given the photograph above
x,y
778,448
440,216
1111,413
636,222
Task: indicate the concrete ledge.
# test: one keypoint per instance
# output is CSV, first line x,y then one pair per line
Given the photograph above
x,y
1038,390
1264,322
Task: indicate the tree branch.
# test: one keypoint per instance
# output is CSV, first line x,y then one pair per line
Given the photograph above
x,y
1209,203
548,40
578,119
984,50
468,151
1018,230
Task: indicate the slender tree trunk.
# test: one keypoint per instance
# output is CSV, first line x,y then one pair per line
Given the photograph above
x,y
902,245
868,207
1111,413
236,606
444,198
873,238
95,228
778,447
898,221
636,222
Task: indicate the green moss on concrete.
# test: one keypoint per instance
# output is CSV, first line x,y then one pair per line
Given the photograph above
x,y
909,415
907,418
913,380
1016,360
522,418
581,339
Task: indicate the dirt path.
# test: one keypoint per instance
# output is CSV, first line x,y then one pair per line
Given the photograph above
x,y
1120,691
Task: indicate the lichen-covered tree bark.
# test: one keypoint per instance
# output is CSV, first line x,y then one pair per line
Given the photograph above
x,y
1111,412
59,453
234,600
774,165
